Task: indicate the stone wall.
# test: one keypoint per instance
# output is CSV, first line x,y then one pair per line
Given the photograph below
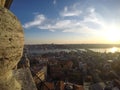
x,y
24,77
11,41
2,3
11,48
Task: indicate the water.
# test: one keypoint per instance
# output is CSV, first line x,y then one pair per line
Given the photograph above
x,y
102,50
107,50
49,51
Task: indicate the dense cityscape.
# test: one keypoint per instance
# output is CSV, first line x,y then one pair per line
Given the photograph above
x,y
71,69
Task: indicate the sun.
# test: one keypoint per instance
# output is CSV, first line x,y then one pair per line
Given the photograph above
x,y
112,34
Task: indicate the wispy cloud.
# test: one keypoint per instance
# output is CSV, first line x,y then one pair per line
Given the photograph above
x,y
70,11
54,2
91,23
92,17
38,20
60,25
86,25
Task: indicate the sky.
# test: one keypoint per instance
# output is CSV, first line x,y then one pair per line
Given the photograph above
x,y
69,21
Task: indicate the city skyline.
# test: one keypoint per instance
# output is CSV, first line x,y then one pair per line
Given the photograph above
x,y
69,21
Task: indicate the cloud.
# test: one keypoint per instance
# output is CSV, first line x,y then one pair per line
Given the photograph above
x,y
60,25
74,26
38,20
91,22
70,11
54,2
88,24
93,17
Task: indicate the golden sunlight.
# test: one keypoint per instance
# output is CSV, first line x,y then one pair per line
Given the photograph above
x,y
112,34
113,50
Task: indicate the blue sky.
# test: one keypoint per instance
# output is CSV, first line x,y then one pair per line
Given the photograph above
x,y
69,21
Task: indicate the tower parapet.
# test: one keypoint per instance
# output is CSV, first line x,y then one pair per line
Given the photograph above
x,y
11,48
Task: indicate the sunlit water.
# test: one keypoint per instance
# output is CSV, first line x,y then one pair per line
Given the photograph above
x,y
102,50
107,50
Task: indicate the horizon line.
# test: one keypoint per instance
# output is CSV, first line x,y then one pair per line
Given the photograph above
x,y
73,44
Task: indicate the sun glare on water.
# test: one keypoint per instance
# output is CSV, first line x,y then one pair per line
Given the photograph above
x,y
113,50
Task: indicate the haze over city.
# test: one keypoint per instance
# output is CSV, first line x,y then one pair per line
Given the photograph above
x,y
69,21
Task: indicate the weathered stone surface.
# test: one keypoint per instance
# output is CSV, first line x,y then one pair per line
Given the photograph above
x,y
24,77
2,3
11,48
11,41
